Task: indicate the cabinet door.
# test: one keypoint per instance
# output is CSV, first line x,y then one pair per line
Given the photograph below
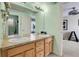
x,y
48,46
47,50
20,49
30,53
39,46
51,47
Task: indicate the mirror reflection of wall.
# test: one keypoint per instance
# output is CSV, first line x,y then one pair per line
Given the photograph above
x,y
12,25
33,25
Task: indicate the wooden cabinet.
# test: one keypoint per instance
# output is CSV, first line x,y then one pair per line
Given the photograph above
x,y
20,49
48,46
30,53
39,48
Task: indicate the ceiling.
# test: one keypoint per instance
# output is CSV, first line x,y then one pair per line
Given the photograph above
x,y
67,7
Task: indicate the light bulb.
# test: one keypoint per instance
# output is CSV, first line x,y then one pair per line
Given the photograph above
x,y
45,8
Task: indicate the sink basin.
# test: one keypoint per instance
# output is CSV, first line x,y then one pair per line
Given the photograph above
x,y
21,39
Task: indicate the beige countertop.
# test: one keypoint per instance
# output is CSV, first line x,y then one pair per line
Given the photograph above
x,y
13,42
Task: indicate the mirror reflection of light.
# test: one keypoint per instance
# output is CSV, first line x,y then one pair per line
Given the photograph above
x,y
10,22
45,9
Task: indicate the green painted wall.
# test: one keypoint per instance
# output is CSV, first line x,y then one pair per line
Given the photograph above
x,y
52,25
1,23
1,29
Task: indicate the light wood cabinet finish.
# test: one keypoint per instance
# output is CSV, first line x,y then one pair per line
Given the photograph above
x,y
37,48
51,46
20,49
40,54
48,46
39,43
19,55
40,48
30,53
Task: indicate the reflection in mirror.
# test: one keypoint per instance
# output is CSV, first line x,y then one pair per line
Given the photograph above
x,y
12,25
33,25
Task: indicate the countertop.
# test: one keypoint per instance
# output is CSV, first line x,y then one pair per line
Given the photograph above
x,y
13,42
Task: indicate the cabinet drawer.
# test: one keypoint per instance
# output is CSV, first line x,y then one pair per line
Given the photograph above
x,y
40,54
19,55
30,53
48,39
39,48
20,49
40,43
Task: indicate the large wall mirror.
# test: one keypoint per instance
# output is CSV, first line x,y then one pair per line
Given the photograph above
x,y
13,25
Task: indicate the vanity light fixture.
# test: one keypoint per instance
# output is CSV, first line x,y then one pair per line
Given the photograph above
x,y
5,13
38,8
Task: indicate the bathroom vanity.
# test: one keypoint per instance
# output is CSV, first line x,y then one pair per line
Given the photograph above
x,y
37,46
